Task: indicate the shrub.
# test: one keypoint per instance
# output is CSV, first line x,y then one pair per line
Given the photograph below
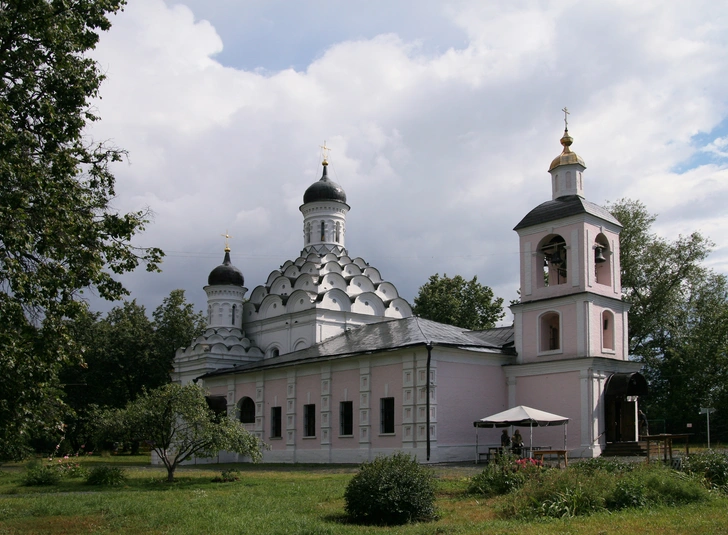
x,y
37,474
227,476
106,475
629,492
391,490
709,465
504,474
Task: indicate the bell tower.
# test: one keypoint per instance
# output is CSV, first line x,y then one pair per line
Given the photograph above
x,y
571,303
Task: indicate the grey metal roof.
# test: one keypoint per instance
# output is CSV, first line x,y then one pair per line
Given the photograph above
x,y
564,207
387,336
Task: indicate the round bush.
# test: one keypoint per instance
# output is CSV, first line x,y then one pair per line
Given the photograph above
x,y
106,475
391,490
39,475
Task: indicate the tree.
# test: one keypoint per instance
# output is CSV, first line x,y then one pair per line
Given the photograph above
x,y
678,322
177,423
656,275
175,325
455,301
58,232
126,353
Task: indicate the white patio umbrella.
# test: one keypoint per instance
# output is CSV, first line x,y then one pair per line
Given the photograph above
x,y
522,416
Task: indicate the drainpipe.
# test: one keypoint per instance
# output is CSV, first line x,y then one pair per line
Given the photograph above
x,y
427,392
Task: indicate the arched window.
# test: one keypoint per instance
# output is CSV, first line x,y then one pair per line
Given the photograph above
x,y
209,315
608,330
549,332
568,180
247,410
602,261
553,259
234,309
338,232
308,232
323,231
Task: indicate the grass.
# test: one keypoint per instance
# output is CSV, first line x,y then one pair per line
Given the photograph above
x,y
291,499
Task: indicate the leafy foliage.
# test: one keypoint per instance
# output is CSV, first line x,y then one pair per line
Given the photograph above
x,y
711,466
678,321
391,490
502,475
581,491
38,474
177,424
109,476
59,233
127,352
455,301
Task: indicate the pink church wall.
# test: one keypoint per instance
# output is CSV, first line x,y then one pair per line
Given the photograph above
x,y
344,387
558,393
466,393
386,381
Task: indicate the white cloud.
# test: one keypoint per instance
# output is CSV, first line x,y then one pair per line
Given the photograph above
x,y
441,147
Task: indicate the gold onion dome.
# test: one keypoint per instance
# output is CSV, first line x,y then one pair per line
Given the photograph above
x,y
567,156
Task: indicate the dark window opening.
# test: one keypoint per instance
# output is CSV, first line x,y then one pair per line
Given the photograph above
x,y
309,420
275,422
346,418
386,423
247,411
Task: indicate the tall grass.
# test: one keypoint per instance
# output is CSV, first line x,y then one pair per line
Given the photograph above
x,y
300,500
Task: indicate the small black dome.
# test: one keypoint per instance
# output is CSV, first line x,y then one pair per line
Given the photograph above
x,y
226,273
324,190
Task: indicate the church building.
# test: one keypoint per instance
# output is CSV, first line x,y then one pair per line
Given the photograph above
x,y
325,362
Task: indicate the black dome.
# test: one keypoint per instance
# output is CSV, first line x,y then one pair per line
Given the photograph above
x,y
324,190
226,273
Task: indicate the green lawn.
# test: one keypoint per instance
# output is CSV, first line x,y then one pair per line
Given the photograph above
x,y
278,499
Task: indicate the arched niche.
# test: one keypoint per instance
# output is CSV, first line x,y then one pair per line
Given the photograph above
x,y
335,299
281,286
552,261
330,267
398,308
368,303
299,300
272,277
309,267
373,274
305,282
332,280
359,261
249,311
602,260
387,291
291,272
350,270
549,332
359,284
329,257
271,307
301,343
258,294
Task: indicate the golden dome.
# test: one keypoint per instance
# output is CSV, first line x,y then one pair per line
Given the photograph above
x,y
566,157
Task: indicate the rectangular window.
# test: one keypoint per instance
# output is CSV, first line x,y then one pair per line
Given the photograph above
x,y
346,418
386,422
275,422
309,420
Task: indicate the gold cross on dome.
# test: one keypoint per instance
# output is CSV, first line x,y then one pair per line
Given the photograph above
x,y
325,150
227,242
566,119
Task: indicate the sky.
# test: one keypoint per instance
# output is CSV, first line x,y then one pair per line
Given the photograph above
x,y
442,118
